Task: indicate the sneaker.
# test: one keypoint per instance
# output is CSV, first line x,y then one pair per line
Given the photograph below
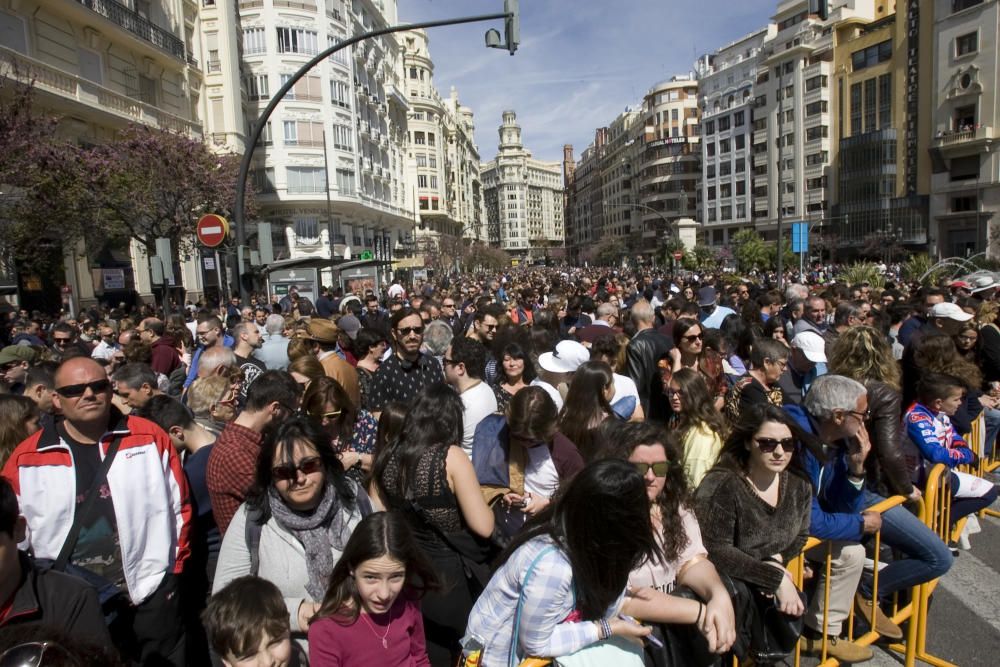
x,y
881,623
841,649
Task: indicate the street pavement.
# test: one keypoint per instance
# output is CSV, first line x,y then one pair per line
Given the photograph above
x,y
964,622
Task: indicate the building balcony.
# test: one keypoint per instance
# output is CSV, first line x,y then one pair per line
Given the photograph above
x,y
137,25
965,142
96,99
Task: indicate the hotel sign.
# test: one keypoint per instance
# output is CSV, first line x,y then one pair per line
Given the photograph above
x,y
912,94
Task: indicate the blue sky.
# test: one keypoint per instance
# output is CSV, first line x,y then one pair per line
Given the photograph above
x,y
580,62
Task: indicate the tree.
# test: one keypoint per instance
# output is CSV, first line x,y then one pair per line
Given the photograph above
x,y
609,252
485,257
700,258
151,183
750,251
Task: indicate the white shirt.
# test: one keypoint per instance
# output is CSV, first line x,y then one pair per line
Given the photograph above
x,y
540,476
550,390
478,402
104,350
624,386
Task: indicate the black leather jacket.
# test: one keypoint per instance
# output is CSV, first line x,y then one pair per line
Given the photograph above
x,y
645,349
885,468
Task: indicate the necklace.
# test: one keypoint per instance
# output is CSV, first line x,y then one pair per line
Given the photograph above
x,y
384,638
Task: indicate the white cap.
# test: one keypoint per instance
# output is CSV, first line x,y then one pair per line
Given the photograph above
x,y
566,358
812,345
950,311
981,283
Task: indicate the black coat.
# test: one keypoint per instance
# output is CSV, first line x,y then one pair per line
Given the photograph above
x,y
645,349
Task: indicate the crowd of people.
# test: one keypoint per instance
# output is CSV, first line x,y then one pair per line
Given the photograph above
x,y
482,469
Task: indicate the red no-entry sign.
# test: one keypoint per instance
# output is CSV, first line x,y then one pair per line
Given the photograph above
x,y
678,255
212,230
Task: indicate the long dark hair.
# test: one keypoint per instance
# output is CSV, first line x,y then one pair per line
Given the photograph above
x,y
621,440
735,453
515,351
434,420
585,403
601,521
379,534
298,429
327,390
682,325
697,403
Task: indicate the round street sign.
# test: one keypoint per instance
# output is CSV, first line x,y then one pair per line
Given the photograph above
x,y
678,255
212,230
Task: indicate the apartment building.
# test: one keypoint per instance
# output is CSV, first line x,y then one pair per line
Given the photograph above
x,y
443,158
881,179
726,81
331,164
100,65
964,121
668,159
523,197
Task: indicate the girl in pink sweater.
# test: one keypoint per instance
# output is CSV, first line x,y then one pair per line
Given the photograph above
x,y
371,612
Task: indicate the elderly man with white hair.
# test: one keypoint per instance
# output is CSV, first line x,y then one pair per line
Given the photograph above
x,y
274,352
834,411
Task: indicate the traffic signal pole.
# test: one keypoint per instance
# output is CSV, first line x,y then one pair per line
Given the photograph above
x,y
510,15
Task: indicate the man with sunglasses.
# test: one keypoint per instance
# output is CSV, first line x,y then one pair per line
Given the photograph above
x,y
408,370
711,314
273,398
835,411
15,361
134,535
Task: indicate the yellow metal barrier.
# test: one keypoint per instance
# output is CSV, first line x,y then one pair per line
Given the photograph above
x,y
985,464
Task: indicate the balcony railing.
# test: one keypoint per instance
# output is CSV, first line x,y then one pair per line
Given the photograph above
x,y
983,133
137,25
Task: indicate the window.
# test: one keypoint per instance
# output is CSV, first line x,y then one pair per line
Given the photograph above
x,y
12,32
725,168
871,56
421,160
959,5
291,132
724,123
422,181
434,181
306,180
432,162
966,44
855,109
818,132
343,138
710,171
819,158
257,88
739,119
297,40
814,108
964,168
790,139
340,94
711,193
870,87
90,64
760,124
725,146
263,180
816,183
740,141
709,128
726,190
885,101
963,204
964,118
741,165
253,41
816,82
741,188
307,228
710,149
430,138
413,72
418,138
345,181
147,90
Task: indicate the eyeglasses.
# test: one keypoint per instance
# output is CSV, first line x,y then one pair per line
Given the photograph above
x,y
287,473
864,416
447,305
659,468
490,327
406,331
32,654
77,390
674,392
768,445
450,362
61,341
333,414
693,337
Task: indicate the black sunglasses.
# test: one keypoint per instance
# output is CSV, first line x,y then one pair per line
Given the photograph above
x,y
77,390
406,331
768,445
693,337
287,473
659,468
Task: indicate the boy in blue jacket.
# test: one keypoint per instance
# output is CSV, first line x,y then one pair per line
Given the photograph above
x,y
930,438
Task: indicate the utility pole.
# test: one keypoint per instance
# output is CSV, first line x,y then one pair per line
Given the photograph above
x,y
512,29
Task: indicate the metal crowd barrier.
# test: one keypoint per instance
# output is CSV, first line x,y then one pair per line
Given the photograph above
x,y
985,464
911,609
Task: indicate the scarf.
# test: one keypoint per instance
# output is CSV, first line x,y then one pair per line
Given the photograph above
x,y
320,532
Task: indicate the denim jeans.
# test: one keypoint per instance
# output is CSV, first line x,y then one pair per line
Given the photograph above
x,y
992,418
927,557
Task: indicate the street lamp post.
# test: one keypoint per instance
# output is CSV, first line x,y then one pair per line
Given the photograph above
x,y
512,28
659,214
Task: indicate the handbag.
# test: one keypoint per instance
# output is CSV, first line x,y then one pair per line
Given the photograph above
x,y
616,651
507,522
764,633
682,645
109,595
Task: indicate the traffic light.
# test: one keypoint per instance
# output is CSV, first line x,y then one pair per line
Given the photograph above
x,y
512,26
512,29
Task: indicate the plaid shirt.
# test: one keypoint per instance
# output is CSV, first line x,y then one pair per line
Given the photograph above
x,y
548,600
230,472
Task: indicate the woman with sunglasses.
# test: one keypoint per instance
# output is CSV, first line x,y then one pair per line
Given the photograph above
x,y
700,428
754,506
689,351
705,603
353,431
301,511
